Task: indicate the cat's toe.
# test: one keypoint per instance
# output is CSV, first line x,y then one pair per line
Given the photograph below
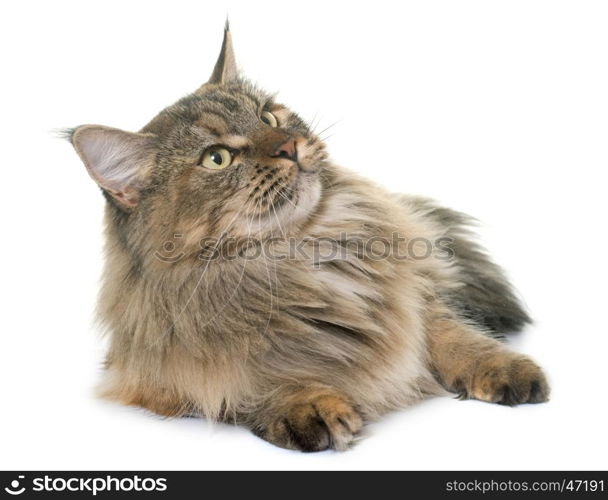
x,y
342,420
539,389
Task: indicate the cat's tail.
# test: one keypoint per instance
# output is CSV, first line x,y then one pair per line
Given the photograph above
x,y
484,296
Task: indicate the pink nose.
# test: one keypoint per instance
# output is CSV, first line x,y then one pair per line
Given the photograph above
x,y
286,150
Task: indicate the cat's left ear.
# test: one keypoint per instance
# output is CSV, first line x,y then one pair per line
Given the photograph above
x,y
225,67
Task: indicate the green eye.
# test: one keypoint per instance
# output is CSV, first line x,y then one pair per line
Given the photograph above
x,y
269,119
217,158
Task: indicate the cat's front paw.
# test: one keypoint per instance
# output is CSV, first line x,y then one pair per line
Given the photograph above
x,y
325,422
509,379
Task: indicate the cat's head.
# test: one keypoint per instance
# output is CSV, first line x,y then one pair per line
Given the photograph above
x,y
225,159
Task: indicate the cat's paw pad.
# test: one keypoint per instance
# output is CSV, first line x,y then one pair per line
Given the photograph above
x,y
326,422
510,381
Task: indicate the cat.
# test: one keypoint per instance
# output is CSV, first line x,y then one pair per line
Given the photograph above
x,y
305,344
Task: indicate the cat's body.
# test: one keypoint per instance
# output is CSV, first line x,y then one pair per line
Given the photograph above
x,y
322,330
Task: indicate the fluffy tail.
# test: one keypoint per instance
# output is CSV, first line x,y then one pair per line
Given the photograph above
x,y
485,297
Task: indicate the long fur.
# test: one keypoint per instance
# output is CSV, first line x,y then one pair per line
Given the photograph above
x,y
301,347
484,295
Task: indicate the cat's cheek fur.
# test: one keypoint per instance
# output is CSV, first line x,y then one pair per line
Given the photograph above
x,y
311,153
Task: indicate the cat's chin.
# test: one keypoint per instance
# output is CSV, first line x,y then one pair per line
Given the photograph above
x,y
293,212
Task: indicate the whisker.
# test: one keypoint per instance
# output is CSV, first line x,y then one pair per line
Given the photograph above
x,y
327,128
277,217
277,191
269,284
200,279
229,300
310,124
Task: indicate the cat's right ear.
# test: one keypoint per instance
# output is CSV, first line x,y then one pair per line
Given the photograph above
x,y
117,160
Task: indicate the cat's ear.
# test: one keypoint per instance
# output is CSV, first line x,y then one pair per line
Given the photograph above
x,y
118,161
225,67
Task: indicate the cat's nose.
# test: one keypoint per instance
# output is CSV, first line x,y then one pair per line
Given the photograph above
x,y
286,149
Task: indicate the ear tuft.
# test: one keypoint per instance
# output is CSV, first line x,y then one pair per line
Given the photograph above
x,y
65,133
116,160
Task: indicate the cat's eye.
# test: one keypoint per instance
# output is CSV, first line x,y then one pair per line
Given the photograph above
x,y
217,158
269,119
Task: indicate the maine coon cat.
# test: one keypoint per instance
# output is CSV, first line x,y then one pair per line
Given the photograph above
x,y
249,279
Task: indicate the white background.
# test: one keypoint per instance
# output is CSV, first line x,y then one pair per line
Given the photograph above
x,y
499,109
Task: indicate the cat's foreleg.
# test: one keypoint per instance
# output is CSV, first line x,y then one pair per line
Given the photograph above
x,y
476,366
